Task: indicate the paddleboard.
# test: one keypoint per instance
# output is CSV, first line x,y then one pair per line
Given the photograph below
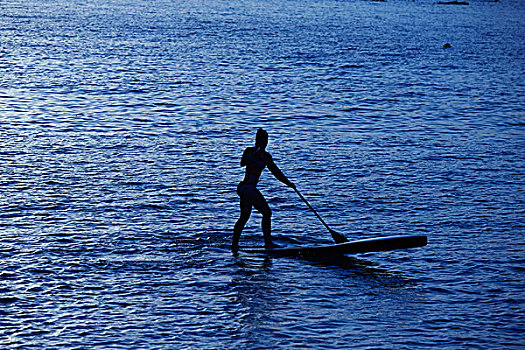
x,y
378,244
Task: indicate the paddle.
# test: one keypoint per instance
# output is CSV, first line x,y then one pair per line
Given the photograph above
x,y
338,238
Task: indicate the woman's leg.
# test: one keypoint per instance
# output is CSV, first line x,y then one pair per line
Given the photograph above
x,y
261,205
246,211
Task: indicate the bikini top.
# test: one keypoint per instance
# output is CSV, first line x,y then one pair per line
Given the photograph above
x,y
255,163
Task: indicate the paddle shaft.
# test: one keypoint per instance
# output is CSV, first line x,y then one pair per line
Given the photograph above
x,y
338,238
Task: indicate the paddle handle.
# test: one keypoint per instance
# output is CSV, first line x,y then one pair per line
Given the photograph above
x,y
312,209
338,238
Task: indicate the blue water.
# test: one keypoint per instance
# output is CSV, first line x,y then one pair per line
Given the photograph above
x,y
121,129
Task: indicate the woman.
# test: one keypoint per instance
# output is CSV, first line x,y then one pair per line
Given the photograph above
x,y
255,159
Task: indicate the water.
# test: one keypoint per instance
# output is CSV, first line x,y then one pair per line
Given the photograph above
x,y
122,126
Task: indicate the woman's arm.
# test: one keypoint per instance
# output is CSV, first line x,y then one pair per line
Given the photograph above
x,y
276,171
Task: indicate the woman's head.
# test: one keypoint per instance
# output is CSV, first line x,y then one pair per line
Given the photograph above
x,y
261,138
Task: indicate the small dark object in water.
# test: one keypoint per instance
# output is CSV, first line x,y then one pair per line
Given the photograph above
x,y
453,3
447,46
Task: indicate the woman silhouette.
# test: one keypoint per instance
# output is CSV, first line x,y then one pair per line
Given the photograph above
x,y
255,159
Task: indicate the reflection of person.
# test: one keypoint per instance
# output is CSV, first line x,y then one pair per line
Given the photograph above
x,y
256,159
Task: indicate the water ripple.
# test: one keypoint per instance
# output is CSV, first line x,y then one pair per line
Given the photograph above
x,y
122,127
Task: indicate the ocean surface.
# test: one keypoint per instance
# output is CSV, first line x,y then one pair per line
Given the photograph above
x,y
122,124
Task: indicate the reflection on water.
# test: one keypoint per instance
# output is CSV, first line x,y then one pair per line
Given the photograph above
x,y
278,296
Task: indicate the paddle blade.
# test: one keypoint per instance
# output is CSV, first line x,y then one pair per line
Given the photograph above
x,y
338,238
